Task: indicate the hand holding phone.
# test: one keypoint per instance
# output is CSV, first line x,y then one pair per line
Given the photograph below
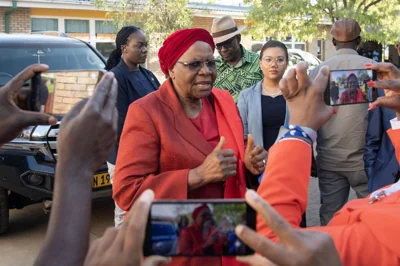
x,y
209,231
350,87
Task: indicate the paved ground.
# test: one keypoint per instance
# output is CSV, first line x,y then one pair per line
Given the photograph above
x,y
20,245
314,203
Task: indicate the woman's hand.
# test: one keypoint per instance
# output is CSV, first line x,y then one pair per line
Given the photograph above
x,y
254,157
219,165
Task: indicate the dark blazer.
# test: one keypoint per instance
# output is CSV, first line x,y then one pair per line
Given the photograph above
x,y
380,161
129,90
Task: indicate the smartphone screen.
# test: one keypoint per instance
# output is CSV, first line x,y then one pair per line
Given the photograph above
x,y
197,228
350,87
57,92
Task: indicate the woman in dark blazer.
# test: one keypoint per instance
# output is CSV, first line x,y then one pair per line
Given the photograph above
x,y
134,82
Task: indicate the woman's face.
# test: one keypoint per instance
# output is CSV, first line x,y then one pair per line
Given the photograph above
x,y
135,50
273,63
203,217
191,75
352,83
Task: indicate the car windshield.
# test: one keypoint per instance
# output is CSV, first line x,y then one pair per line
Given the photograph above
x,y
162,229
58,56
310,59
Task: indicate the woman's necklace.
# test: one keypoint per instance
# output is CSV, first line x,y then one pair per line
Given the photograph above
x,y
273,95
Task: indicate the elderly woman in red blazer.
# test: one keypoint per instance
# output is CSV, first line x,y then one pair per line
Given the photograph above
x,y
185,141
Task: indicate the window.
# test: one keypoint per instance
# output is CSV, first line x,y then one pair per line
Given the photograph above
x,y
76,26
292,43
105,48
44,24
105,27
320,49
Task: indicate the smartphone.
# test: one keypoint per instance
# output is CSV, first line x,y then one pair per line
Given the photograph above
x,y
350,87
56,92
197,228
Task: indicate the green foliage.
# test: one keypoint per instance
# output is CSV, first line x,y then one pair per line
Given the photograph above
x,y
234,211
305,19
158,18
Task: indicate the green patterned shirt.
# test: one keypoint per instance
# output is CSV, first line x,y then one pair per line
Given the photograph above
x,y
242,76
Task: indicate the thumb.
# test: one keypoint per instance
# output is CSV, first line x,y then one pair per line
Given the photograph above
x,y
250,143
220,145
28,118
321,81
156,261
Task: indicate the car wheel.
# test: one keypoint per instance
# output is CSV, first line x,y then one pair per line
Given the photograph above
x,y
3,210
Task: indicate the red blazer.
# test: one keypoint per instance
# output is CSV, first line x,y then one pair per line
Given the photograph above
x,y
159,145
364,234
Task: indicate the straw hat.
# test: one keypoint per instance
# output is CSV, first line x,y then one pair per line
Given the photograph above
x,y
224,28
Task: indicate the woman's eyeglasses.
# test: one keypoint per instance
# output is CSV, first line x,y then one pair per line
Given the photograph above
x,y
279,60
198,64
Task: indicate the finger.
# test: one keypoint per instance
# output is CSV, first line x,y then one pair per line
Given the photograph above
x,y
383,68
272,219
220,145
292,83
102,91
18,81
156,261
321,80
230,174
232,160
256,151
250,143
93,250
27,118
227,153
255,260
391,102
389,84
115,122
111,100
262,245
260,157
108,238
135,224
303,79
284,86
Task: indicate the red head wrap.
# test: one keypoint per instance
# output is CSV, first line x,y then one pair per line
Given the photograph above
x,y
198,210
178,43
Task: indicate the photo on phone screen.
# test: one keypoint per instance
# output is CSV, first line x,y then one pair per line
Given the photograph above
x,y
350,87
57,92
193,228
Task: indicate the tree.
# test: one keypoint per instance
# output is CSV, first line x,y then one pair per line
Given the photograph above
x,y
305,19
157,18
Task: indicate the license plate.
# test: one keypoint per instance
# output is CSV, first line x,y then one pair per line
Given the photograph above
x,y
101,180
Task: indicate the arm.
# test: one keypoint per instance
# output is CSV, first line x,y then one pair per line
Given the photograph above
x,y
373,139
355,239
286,188
242,106
138,163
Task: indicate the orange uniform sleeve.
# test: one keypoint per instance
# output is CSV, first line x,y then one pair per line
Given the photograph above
x,y
395,138
285,182
138,163
357,245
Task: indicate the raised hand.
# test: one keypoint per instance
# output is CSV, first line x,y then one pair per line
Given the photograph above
x,y
13,100
124,246
296,246
219,165
254,157
305,97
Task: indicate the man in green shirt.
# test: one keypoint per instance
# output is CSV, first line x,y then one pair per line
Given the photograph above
x,y
237,68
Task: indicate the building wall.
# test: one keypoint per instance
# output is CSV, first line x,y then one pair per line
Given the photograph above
x,y
20,21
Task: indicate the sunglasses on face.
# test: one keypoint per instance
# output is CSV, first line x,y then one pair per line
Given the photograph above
x,y
279,60
227,44
198,64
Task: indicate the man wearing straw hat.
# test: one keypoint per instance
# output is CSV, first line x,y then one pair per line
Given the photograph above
x,y
237,68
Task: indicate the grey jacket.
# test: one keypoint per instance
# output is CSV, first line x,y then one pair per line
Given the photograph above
x,y
249,105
